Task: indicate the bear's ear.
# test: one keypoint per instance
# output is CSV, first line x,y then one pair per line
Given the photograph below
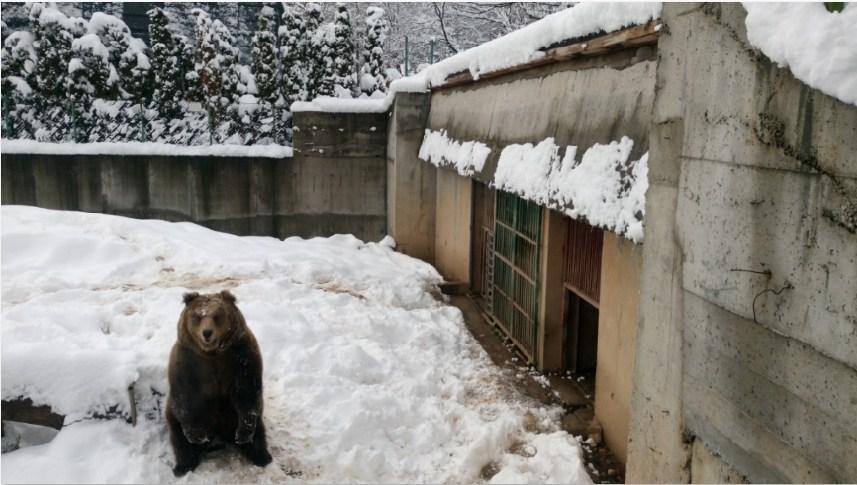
x,y
227,296
189,297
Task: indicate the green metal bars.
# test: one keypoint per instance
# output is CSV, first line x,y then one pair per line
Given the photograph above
x,y
517,237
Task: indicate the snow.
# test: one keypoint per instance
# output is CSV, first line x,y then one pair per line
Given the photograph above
x,y
330,104
20,85
138,148
526,44
442,151
604,187
367,376
93,43
819,47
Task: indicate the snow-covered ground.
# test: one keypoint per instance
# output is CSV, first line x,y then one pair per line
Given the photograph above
x,y
368,378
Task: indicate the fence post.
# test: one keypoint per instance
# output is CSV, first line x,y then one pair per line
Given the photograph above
x,y
406,55
142,124
431,52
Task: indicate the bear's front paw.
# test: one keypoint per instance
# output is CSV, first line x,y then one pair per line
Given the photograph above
x,y
196,436
261,458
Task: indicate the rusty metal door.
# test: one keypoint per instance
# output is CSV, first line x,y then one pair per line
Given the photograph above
x,y
517,237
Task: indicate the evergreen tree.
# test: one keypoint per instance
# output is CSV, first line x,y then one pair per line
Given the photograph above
x,y
227,60
292,47
89,71
53,51
325,64
166,68
372,73
314,53
189,79
18,64
264,56
265,119
343,51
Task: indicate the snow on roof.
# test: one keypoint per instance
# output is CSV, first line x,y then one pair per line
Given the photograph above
x,y
442,151
328,104
527,44
138,148
603,187
819,47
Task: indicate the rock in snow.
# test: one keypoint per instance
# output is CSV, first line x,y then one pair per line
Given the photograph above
x,y
367,377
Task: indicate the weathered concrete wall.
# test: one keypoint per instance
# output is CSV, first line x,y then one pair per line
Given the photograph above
x,y
752,179
581,102
453,226
621,266
336,183
410,181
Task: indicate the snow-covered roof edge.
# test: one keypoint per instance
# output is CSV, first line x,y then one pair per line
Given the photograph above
x,y
603,186
138,148
817,46
528,43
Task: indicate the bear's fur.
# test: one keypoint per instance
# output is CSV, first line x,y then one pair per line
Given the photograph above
x,y
215,379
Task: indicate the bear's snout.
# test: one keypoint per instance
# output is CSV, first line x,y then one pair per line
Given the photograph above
x,y
206,334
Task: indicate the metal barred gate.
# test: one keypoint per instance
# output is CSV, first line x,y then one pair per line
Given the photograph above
x,y
517,237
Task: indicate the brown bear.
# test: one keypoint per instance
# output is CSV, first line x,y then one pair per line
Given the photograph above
x,y
215,377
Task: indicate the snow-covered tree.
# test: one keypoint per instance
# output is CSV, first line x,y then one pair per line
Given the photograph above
x,y
217,71
323,70
166,68
189,80
264,120
264,55
88,75
314,54
292,51
53,51
343,51
372,73
18,65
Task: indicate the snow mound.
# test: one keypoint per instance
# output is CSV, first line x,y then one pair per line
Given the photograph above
x,y
139,148
604,187
367,377
528,43
442,151
819,47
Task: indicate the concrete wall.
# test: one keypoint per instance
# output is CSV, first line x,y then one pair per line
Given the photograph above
x,y
621,267
580,102
453,227
336,183
411,190
750,170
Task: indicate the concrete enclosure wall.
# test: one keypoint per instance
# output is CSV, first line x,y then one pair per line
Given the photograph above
x,y
336,183
748,327
621,266
453,228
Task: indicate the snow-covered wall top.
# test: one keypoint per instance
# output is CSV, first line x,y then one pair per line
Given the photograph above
x,y
819,47
137,148
604,186
328,104
527,44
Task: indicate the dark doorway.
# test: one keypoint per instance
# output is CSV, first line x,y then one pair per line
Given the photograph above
x,y
581,340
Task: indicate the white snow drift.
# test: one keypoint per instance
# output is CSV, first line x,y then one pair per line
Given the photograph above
x,y
147,148
367,377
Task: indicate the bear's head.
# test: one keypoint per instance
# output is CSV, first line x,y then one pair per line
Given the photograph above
x,y
210,322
